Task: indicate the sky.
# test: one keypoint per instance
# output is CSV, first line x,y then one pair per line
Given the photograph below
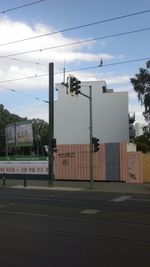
x,y
76,35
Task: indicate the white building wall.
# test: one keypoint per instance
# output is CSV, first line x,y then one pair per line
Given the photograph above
x,y
138,128
110,115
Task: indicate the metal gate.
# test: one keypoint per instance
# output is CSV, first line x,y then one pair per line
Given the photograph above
x,y
112,161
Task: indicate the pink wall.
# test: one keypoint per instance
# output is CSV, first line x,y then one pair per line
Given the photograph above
x,y
135,167
72,163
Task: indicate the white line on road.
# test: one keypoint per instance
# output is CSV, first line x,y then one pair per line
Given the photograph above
x,y
88,211
121,198
61,188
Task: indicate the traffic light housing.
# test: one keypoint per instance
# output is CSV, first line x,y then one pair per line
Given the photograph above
x,y
96,145
73,85
54,145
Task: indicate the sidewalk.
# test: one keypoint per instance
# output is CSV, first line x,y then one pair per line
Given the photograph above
x,y
114,187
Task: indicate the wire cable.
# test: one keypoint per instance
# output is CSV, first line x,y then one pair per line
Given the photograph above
x,y
76,43
26,61
79,27
22,6
87,68
27,95
79,69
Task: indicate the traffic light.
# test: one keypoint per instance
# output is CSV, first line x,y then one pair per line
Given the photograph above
x,y
54,145
95,142
73,85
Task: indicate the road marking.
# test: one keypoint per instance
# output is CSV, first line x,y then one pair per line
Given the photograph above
x,y
121,198
91,212
61,188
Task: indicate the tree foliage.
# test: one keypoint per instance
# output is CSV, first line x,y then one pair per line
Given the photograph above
x,y
40,130
141,85
143,142
40,134
6,118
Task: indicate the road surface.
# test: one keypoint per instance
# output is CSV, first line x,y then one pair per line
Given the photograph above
x,y
58,228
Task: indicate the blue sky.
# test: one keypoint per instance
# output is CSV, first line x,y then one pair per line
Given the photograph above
x,y
49,16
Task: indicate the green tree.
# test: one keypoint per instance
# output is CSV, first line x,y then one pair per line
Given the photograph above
x,y
40,134
6,118
143,142
141,85
40,131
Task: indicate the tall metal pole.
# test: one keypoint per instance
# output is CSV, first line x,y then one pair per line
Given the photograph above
x,y
91,137
51,124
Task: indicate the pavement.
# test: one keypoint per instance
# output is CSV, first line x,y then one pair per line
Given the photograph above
x,y
114,187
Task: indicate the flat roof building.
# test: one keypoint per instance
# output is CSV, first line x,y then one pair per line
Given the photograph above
x,y
110,115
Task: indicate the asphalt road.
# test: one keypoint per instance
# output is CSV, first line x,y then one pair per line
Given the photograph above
x,y
56,228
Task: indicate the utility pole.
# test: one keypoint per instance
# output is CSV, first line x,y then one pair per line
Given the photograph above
x,y
51,125
91,137
73,88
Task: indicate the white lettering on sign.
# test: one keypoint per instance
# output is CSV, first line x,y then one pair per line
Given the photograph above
x,y
21,167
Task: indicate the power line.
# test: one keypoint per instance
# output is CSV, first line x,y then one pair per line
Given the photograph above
x,y
77,42
78,27
79,69
87,68
108,65
22,6
27,95
26,61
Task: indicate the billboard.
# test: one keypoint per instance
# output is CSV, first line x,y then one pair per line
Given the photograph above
x,y
24,167
19,134
24,134
10,134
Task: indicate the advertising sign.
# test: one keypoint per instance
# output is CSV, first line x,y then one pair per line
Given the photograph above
x,y
19,134
24,167
10,134
24,134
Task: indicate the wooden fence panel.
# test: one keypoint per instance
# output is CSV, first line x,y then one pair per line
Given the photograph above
x,y
146,168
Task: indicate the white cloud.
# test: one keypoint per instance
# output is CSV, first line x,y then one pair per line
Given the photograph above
x,y
21,66
115,79
35,110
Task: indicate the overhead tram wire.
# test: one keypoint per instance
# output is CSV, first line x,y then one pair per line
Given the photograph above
x,y
75,43
27,95
78,27
22,6
80,69
27,61
87,68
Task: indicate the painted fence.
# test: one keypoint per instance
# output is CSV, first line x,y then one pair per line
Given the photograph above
x,y
146,168
111,163
72,163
